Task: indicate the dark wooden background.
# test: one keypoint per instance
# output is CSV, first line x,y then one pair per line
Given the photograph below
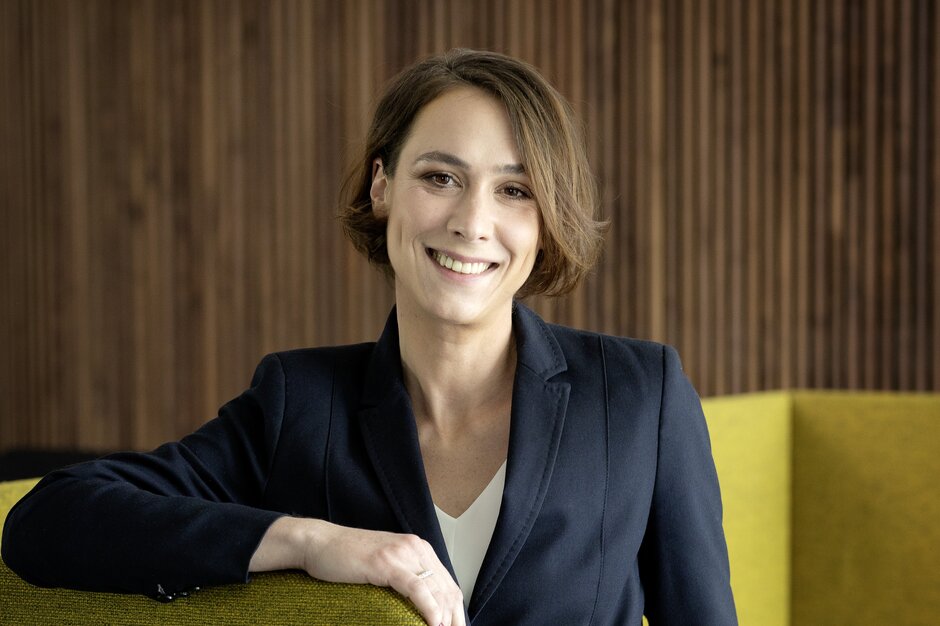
x,y
169,173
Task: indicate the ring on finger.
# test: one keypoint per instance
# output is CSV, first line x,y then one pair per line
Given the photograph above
x,y
425,574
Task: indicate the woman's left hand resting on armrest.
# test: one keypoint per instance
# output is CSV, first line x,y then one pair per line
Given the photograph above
x,y
350,555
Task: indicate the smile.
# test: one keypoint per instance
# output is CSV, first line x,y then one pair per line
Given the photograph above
x,y
457,266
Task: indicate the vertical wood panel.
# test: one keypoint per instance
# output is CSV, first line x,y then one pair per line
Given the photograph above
x,y
169,174
932,193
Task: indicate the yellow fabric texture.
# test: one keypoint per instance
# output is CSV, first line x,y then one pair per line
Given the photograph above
x,y
273,598
751,437
866,521
831,505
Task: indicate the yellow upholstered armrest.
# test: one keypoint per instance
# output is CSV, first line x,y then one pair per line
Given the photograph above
x,y
274,598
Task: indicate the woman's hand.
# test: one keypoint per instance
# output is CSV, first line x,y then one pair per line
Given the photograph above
x,y
350,555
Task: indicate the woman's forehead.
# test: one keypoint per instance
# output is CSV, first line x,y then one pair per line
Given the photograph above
x,y
465,126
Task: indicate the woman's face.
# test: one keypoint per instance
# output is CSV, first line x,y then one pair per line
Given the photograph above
x,y
463,226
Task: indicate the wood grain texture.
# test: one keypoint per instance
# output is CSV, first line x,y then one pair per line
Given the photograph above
x,y
169,174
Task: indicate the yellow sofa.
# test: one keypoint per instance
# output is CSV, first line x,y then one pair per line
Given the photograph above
x,y
832,515
831,506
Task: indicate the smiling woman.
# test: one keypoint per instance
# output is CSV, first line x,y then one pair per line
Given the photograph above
x,y
487,465
462,227
544,132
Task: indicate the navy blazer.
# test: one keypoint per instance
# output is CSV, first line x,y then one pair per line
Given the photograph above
x,y
611,506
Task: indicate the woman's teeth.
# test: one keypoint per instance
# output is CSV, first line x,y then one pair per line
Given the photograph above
x,y
461,268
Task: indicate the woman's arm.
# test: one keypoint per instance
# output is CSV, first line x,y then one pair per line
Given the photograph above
x,y
684,559
187,514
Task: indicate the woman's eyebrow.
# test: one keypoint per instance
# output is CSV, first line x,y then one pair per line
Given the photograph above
x,y
437,156
443,157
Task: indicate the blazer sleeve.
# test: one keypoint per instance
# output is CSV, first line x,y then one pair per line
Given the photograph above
x,y
684,559
158,523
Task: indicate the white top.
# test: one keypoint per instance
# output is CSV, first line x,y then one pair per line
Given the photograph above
x,y
468,536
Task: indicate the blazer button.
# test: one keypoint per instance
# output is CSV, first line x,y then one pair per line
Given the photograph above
x,y
162,595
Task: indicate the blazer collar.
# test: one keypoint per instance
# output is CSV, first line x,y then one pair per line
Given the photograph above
x,y
537,419
391,439
539,405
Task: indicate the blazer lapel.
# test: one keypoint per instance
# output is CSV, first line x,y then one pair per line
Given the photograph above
x,y
391,441
538,417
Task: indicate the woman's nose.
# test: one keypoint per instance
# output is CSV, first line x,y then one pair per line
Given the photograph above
x,y
472,218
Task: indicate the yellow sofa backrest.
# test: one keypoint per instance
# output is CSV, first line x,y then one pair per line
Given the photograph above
x,y
271,598
832,505
751,441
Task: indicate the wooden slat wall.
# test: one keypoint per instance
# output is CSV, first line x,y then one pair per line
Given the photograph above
x,y
170,170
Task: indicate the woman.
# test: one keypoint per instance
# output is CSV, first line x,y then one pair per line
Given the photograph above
x,y
487,465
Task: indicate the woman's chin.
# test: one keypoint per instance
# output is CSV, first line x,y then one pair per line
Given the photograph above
x,y
461,311
455,313
453,304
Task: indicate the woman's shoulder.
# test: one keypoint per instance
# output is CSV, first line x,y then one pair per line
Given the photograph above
x,y
580,346
306,366
323,355
591,345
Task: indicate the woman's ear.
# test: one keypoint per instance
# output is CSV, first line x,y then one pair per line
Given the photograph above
x,y
379,188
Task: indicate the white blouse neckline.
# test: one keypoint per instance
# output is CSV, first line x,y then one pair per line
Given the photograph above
x,y
467,537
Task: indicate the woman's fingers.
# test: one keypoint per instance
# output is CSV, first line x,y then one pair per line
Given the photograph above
x,y
406,563
431,589
421,592
448,597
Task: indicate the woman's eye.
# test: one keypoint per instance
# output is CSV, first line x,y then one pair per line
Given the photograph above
x,y
517,193
440,179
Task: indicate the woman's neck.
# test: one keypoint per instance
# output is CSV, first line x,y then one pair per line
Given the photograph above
x,y
456,373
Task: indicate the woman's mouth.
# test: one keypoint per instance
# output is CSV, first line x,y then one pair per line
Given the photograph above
x,y
460,267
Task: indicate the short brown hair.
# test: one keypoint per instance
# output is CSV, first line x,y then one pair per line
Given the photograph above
x,y
550,140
